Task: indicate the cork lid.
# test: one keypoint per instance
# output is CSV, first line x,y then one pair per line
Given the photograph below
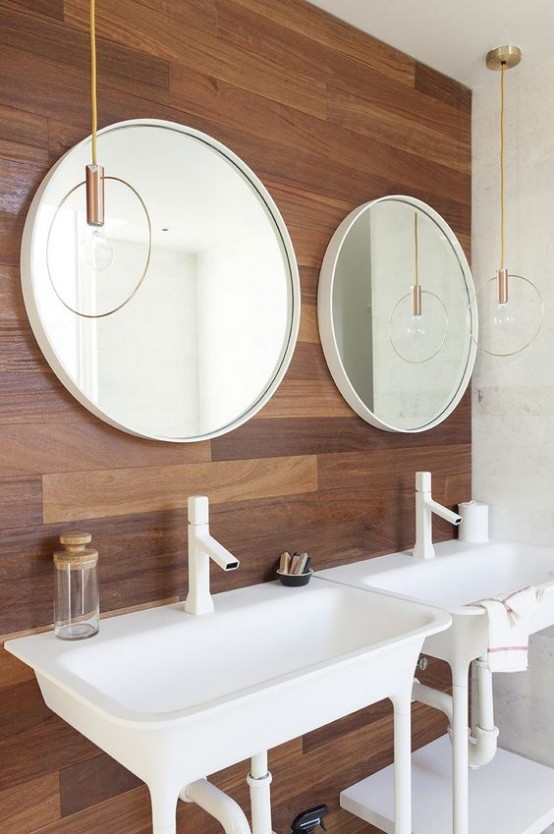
x,y
75,550
75,538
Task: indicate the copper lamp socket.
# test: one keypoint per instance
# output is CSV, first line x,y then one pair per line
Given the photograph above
x,y
95,195
502,286
416,301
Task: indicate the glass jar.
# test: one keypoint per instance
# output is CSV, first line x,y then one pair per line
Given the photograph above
x,y
76,602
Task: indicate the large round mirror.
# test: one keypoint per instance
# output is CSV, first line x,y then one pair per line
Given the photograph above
x,y
396,314
178,320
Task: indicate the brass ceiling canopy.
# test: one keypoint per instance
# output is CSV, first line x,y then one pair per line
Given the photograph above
x,y
507,56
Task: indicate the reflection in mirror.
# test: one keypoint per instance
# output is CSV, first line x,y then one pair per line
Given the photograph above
x,y
180,322
396,312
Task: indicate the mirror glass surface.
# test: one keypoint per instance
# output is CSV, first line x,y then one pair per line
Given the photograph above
x,y
399,368
178,320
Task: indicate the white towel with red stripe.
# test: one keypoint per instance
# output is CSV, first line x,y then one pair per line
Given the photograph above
x,y
509,628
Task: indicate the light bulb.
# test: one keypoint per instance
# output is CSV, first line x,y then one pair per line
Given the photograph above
x,y
96,250
416,327
503,316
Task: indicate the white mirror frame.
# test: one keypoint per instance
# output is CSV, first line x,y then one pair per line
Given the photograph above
x,y
29,241
327,328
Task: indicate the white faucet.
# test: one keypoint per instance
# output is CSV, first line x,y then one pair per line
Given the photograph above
x,y
425,506
202,548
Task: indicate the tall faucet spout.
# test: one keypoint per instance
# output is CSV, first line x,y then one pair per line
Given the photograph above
x,y
425,506
216,551
202,548
443,512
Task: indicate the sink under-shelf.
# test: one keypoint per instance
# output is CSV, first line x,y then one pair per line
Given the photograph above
x,y
175,697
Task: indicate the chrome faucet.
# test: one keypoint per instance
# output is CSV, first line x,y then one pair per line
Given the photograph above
x,y
202,548
425,506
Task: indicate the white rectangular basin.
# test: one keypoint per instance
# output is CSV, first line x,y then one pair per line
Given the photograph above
x,y
459,575
175,697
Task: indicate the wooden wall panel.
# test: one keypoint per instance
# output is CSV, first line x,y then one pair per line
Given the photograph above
x,y
328,118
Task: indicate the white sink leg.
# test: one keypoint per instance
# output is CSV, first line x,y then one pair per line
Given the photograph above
x,y
402,763
164,811
460,763
259,780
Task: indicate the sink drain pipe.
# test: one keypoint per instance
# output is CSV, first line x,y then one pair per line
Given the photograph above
x,y
216,803
483,738
228,812
259,780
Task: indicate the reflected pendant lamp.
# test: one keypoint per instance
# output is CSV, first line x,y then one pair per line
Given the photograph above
x,y
97,250
510,306
418,324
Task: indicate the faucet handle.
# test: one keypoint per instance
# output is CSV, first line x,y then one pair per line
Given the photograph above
x,y
198,509
423,481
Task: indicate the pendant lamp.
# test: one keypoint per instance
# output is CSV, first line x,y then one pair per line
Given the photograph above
x,y
100,238
418,324
510,306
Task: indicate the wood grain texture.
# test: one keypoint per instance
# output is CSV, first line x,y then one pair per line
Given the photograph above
x,y
91,782
49,8
34,803
117,66
441,133
328,118
123,491
86,444
130,23
23,137
12,671
439,86
302,17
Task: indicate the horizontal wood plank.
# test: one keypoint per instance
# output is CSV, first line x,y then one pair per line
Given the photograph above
x,y
92,782
23,137
310,398
263,437
117,66
11,230
378,117
131,809
433,83
306,19
300,53
124,491
30,439
132,24
12,670
49,8
31,805
20,501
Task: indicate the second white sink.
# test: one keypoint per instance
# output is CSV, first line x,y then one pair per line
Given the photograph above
x,y
459,575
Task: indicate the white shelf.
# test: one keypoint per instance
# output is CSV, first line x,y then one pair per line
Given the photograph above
x,y
511,795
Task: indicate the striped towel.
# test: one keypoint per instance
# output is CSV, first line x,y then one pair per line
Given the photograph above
x,y
508,628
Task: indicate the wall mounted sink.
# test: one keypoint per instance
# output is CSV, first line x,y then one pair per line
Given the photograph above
x,y
459,575
175,697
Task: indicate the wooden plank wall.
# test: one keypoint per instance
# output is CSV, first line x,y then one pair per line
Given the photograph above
x,y
328,118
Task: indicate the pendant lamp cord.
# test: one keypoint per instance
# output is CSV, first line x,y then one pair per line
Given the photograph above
x,y
94,108
416,250
502,223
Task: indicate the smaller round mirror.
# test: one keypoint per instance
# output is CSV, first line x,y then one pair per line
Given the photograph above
x,y
396,309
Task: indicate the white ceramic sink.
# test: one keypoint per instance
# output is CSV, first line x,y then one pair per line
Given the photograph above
x,y
459,575
175,697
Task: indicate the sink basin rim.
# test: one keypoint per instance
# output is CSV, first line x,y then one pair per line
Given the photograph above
x,y
376,574
51,652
